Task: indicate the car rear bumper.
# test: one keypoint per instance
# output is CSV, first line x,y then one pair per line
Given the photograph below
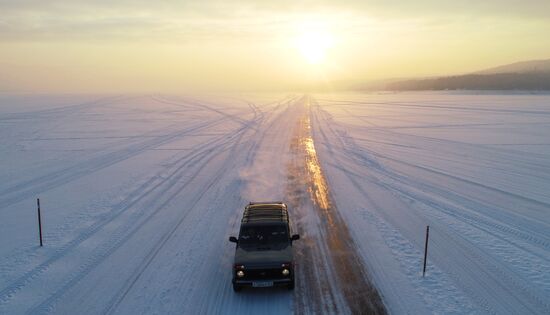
x,y
250,282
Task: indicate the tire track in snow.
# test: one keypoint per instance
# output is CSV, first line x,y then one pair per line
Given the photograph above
x,y
494,273
120,296
31,188
374,159
34,186
217,297
483,221
466,215
62,110
201,160
106,250
156,183
127,287
444,106
348,287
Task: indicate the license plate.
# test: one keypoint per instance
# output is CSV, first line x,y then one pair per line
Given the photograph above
x,y
262,284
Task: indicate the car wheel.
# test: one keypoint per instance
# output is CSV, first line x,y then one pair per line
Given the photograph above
x,y
290,286
237,287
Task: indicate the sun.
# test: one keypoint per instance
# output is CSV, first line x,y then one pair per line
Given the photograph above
x,y
313,46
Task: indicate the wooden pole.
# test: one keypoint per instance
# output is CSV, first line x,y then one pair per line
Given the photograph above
x,y
39,220
426,249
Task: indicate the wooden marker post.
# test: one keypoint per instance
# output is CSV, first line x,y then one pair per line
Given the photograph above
x,y
426,249
39,220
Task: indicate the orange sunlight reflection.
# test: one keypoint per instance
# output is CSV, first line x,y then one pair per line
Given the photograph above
x,y
320,187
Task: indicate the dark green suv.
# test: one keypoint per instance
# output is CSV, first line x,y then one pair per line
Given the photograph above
x,y
263,255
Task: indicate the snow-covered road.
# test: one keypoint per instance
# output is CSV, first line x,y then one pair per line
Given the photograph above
x,y
139,195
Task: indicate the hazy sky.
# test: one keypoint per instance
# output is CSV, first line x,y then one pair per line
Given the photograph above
x,y
168,46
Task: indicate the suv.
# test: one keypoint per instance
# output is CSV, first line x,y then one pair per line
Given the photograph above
x,y
263,255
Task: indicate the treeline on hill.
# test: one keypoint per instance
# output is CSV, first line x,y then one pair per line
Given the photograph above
x,y
500,81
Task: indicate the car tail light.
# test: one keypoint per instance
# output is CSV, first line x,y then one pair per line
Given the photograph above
x,y
239,267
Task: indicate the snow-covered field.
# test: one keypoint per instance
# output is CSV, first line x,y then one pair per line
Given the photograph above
x,y
139,195
476,168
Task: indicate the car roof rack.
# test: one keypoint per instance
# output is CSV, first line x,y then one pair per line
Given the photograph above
x,y
265,212
265,202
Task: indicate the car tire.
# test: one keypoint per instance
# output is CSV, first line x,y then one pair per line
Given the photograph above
x,y
237,287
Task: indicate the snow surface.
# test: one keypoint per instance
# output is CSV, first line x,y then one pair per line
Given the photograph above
x,y
139,195
474,168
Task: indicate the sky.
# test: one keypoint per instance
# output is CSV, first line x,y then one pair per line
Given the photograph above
x,y
172,46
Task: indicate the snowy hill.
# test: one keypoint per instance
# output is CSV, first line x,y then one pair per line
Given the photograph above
x,y
531,66
526,75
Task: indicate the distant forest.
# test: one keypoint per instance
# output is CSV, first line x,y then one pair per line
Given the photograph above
x,y
500,81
